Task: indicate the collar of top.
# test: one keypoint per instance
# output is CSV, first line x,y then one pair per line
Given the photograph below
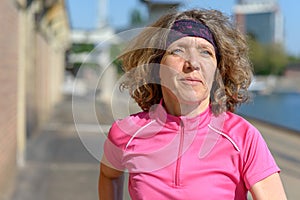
x,y
159,114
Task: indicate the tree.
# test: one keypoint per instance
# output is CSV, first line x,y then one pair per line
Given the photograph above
x,y
136,17
82,47
115,51
294,59
267,59
277,58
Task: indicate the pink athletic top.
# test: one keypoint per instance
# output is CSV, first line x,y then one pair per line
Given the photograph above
x,y
203,157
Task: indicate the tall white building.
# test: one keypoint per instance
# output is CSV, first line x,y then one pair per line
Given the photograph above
x,y
255,1
260,18
157,8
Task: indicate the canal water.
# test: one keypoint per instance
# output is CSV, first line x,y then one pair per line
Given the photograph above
x,y
281,109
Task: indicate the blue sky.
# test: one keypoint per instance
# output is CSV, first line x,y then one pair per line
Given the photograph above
x,y
83,15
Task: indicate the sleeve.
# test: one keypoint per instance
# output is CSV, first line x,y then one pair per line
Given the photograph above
x,y
258,160
113,148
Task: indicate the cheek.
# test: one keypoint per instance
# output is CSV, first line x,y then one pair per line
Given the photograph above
x,y
209,75
166,74
174,63
168,68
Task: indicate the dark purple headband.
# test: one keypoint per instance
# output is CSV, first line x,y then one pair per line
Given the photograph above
x,y
187,27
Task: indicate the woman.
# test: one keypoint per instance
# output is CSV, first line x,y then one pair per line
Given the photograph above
x,y
188,74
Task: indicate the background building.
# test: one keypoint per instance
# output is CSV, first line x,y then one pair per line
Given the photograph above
x,y
261,19
33,40
157,8
89,58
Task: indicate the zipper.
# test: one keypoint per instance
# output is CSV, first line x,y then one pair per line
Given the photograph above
x,y
180,149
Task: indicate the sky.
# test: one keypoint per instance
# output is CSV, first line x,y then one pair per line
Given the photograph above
x,y
84,14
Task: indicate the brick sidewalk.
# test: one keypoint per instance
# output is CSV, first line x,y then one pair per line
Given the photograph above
x,y
285,147
58,166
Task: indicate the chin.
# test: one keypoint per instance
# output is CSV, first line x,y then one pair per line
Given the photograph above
x,y
192,101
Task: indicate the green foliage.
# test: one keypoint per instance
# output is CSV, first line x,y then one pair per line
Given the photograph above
x,y
294,59
77,66
83,47
115,51
136,17
267,59
278,59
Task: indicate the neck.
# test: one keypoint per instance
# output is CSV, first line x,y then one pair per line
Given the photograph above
x,y
185,109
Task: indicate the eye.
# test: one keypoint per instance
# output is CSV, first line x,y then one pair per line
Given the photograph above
x,y
206,52
176,51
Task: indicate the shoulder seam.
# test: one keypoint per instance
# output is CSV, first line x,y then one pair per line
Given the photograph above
x,y
226,136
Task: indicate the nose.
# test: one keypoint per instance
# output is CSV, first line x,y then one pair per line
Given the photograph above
x,y
191,63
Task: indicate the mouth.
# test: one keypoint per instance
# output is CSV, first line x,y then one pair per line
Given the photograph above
x,y
191,81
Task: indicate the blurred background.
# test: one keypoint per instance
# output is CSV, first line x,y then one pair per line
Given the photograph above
x,y
53,50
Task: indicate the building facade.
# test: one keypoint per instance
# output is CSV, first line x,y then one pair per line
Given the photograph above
x,y
157,8
34,37
261,19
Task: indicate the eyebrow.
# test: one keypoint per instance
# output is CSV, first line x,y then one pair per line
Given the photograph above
x,y
198,46
179,44
206,46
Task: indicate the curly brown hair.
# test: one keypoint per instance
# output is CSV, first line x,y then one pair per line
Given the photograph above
x,y
233,76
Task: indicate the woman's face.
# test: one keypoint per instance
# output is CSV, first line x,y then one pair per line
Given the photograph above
x,y
187,70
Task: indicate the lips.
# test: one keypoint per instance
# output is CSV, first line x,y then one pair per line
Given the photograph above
x,y
190,80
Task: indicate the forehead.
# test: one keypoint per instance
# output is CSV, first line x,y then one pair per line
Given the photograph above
x,y
190,41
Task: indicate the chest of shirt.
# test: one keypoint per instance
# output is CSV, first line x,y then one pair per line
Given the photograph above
x,y
218,172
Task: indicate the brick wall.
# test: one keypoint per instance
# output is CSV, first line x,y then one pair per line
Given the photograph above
x,y
8,89
31,74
